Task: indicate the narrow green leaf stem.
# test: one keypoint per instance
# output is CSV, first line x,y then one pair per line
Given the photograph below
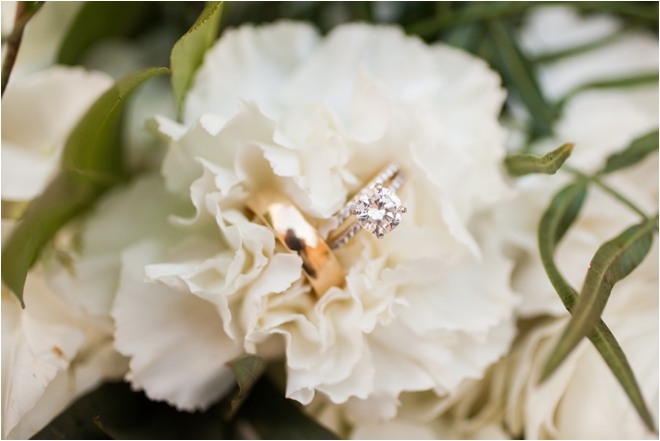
x,y
619,196
596,180
616,83
24,12
521,164
613,261
554,224
638,149
553,56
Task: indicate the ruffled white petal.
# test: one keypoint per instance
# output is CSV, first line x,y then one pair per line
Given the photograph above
x,y
93,274
253,63
52,352
177,346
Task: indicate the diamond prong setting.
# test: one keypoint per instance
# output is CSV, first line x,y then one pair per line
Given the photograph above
x,y
378,210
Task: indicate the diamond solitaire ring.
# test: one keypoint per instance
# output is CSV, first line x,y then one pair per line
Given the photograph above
x,y
377,208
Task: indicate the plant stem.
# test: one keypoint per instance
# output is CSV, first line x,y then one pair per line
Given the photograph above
x,y
596,180
23,14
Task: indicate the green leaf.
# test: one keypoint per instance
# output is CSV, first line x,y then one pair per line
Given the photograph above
x,y
93,148
188,53
575,50
634,153
524,163
617,83
247,369
467,37
472,12
519,75
603,339
554,224
91,163
275,417
559,216
66,196
13,210
113,410
613,261
97,21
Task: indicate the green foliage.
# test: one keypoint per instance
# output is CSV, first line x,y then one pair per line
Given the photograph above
x,y
274,417
66,196
617,83
188,53
93,148
471,13
91,163
519,76
603,340
97,21
555,222
524,163
613,261
635,152
247,369
114,411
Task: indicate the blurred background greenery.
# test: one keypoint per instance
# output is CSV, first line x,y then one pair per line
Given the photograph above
x,y
486,29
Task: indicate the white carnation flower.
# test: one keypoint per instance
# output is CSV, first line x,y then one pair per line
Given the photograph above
x,y
423,309
52,352
582,399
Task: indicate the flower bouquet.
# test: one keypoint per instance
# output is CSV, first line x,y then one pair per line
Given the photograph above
x,y
311,220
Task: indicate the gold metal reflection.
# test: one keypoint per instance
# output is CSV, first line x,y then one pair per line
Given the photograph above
x,y
292,229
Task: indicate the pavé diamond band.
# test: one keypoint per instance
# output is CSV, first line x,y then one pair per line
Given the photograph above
x,y
376,207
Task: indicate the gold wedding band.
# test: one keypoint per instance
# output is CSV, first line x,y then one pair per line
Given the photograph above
x,y
298,236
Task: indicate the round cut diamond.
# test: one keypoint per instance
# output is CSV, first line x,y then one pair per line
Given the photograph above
x,y
378,210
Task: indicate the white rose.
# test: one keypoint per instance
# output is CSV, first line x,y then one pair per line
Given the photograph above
x,y
425,308
40,111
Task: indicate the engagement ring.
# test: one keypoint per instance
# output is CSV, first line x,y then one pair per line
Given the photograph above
x,y
376,207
